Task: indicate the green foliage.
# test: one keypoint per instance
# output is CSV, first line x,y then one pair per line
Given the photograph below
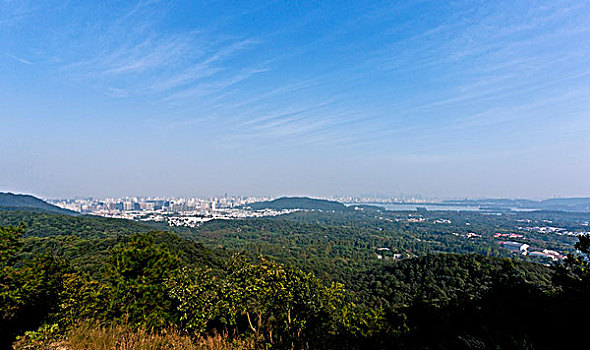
x,y
39,338
278,304
29,292
197,292
83,298
46,224
10,244
137,272
443,278
319,284
299,203
10,201
575,273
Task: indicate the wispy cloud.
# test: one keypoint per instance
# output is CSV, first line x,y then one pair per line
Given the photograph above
x,y
213,87
21,60
166,65
408,76
12,11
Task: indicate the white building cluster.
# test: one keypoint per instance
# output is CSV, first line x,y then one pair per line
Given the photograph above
x,y
189,212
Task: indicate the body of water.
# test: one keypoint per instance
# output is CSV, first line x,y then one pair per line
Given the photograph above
x,y
431,207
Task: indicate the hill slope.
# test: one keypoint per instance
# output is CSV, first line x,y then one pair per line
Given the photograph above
x,y
47,224
21,201
299,203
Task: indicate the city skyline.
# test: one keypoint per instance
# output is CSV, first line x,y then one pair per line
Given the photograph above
x,y
182,98
345,198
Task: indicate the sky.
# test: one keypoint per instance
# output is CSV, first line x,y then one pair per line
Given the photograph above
x,y
444,99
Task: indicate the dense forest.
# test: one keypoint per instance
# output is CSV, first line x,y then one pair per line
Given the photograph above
x,y
299,203
11,201
363,278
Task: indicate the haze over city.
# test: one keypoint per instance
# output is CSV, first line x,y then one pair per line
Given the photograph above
x,y
185,98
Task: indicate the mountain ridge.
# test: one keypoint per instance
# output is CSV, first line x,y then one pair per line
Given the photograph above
x,y
12,201
304,203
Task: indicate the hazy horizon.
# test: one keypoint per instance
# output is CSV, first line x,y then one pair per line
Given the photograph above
x,y
367,196
181,98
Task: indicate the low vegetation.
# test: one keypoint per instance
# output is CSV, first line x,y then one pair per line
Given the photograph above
x,y
148,290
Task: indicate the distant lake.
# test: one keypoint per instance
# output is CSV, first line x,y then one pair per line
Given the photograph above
x,y
428,207
431,207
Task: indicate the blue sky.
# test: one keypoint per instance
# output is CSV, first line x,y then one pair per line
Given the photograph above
x,y
443,99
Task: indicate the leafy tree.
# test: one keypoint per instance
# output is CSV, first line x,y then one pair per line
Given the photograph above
x,y
574,273
82,298
196,291
10,243
29,293
284,305
137,272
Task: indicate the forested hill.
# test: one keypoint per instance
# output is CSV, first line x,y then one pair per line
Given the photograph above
x,y
49,224
11,201
360,279
299,203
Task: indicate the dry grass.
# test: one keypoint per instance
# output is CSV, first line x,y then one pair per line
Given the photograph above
x,y
92,336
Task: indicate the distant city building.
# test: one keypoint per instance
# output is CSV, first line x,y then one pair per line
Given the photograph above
x,y
549,254
515,247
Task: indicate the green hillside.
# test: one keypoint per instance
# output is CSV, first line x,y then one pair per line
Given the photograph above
x,y
362,279
299,203
47,224
11,201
